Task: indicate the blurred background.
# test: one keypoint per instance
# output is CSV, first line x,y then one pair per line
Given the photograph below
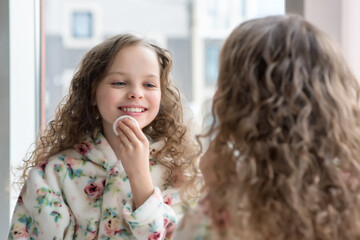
x,y
42,42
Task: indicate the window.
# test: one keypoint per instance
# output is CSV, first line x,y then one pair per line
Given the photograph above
x,y
82,24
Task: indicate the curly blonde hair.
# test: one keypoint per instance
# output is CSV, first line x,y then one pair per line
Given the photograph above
x,y
286,134
76,117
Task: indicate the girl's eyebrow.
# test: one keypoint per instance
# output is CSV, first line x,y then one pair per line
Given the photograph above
x,y
118,73
125,74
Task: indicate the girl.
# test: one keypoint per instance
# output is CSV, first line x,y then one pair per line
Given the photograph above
x,y
284,162
88,183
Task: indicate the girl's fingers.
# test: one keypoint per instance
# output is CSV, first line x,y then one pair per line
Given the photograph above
x,y
128,132
135,129
120,143
123,136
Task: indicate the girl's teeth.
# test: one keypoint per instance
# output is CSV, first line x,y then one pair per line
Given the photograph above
x,y
133,110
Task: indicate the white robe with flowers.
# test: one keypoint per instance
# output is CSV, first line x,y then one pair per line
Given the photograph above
x,y
84,193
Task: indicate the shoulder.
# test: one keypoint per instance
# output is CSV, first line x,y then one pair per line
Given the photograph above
x,y
57,163
67,157
54,163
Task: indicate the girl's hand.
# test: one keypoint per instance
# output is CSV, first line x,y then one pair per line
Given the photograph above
x,y
134,156
134,148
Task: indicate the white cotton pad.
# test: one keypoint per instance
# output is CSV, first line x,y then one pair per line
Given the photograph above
x,y
121,117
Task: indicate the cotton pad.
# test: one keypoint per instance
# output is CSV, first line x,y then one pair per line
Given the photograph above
x,y
121,117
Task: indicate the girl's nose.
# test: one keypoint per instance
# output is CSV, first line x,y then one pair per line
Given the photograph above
x,y
135,93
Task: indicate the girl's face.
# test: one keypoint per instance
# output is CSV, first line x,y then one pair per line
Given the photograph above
x,y
130,87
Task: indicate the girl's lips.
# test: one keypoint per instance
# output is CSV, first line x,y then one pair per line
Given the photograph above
x,y
133,114
133,108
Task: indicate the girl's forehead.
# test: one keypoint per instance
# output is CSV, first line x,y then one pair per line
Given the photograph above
x,y
137,60
138,51
139,45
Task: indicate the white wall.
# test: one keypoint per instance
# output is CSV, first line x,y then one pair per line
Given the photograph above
x,y
326,15
350,33
340,19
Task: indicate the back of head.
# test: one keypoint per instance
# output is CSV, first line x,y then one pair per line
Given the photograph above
x,y
287,133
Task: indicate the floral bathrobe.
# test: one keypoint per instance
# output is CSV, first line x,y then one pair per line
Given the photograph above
x,y
84,193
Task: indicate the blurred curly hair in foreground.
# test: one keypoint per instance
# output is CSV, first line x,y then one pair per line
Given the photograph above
x,y
287,133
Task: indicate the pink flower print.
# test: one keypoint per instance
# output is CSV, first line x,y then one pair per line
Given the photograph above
x,y
113,172
72,163
84,148
112,226
20,232
42,164
154,236
170,227
152,152
57,203
94,190
152,161
41,195
91,235
167,199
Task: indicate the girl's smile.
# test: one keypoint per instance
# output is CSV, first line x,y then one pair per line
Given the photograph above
x,y
133,110
130,87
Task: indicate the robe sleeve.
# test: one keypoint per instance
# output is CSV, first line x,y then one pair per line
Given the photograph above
x,y
157,217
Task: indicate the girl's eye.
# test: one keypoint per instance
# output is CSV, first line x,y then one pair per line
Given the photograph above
x,y
118,83
149,85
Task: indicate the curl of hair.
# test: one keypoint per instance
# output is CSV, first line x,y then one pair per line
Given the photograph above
x,y
287,132
77,117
